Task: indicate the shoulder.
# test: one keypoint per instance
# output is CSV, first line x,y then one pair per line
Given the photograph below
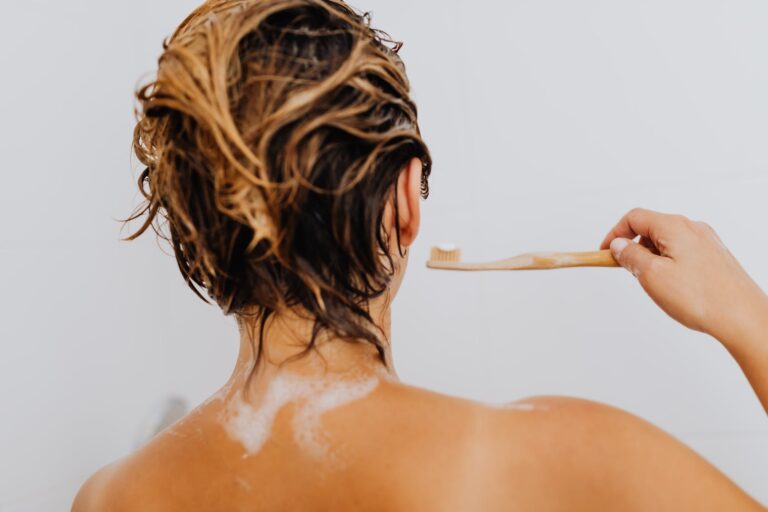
x,y
143,480
574,454
94,494
123,486
555,431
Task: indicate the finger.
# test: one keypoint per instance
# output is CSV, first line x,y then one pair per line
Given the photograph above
x,y
648,244
633,256
637,222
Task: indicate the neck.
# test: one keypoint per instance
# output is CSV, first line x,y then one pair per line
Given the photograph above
x,y
286,336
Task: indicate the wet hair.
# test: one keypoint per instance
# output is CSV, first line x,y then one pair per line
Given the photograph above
x,y
272,137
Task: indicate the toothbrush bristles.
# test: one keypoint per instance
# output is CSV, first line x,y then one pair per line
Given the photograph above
x,y
445,253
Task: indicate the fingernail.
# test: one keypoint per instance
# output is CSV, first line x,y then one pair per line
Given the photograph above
x,y
618,245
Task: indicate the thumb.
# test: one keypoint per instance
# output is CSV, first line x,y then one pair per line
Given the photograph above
x,y
631,255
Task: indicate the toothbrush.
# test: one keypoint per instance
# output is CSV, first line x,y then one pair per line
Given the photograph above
x,y
448,257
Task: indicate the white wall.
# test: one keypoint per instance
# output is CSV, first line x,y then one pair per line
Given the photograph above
x,y
547,120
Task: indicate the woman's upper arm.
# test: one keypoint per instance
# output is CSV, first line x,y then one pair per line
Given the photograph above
x,y
601,458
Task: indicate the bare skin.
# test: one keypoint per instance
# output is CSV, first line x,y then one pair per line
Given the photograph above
x,y
397,447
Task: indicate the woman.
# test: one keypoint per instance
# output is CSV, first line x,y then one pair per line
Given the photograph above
x,y
283,153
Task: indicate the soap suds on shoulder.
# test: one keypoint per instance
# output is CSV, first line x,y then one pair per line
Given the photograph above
x,y
311,397
306,420
518,406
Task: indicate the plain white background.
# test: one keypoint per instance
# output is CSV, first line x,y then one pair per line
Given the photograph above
x,y
547,120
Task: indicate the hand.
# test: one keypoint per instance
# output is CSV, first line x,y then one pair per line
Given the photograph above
x,y
688,272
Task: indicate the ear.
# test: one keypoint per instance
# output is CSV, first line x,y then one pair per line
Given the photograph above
x,y
408,190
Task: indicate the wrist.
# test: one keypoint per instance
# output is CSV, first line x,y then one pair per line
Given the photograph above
x,y
746,333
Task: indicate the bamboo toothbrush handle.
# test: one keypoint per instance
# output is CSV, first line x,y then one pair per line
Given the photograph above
x,y
529,261
551,260
589,259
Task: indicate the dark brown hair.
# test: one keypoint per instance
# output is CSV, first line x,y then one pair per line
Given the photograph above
x,y
273,136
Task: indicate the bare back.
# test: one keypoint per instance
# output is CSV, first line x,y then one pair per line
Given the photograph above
x,y
402,448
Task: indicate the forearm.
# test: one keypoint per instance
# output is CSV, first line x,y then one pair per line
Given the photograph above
x,y
748,343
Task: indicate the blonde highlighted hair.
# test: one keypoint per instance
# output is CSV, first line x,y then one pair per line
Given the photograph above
x,y
272,137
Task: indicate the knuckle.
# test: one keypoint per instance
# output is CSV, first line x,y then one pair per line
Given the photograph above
x,y
680,222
